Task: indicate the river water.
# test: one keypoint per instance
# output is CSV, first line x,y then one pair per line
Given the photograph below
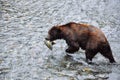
x,y
24,25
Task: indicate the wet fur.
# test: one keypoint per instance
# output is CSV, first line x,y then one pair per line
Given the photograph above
x,y
85,36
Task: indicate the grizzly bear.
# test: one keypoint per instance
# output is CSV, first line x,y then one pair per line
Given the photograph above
x,y
87,37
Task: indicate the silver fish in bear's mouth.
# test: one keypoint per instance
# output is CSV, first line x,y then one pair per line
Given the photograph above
x,y
49,44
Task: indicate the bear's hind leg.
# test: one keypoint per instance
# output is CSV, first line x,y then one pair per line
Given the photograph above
x,y
106,52
108,55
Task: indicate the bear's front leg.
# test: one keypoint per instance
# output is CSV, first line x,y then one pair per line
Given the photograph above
x,y
72,48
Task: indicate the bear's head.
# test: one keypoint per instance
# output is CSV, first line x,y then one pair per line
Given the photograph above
x,y
54,33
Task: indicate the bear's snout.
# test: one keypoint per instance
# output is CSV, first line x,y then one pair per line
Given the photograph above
x,y
48,37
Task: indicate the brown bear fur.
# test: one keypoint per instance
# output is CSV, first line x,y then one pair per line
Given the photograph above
x,y
87,37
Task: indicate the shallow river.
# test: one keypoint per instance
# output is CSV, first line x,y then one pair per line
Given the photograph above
x,y
24,25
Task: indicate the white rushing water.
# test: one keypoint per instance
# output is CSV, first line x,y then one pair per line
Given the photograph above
x,y
24,25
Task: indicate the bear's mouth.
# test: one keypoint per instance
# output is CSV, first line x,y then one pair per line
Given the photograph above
x,y
49,44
